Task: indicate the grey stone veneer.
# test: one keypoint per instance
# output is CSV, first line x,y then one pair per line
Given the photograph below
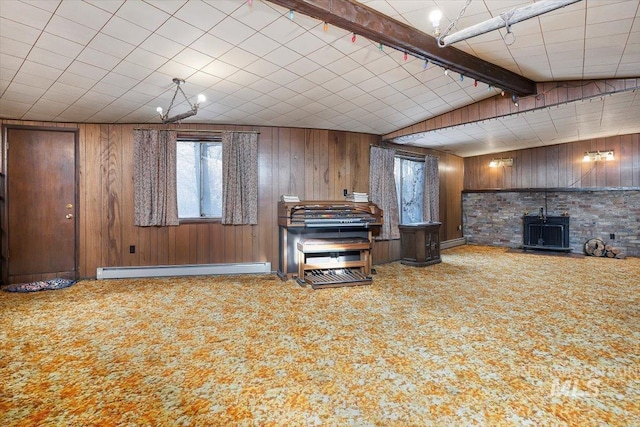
x,y
495,217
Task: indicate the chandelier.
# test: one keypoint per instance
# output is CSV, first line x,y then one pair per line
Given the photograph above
x,y
192,112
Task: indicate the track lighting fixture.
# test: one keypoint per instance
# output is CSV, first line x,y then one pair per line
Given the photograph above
x,y
192,112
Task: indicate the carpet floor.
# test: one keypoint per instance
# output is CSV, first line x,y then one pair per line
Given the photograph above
x,y
485,338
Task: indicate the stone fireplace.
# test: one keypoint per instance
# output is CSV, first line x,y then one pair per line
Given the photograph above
x,y
496,217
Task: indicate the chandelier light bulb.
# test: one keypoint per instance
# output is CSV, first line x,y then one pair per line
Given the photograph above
x,y
159,110
435,17
201,98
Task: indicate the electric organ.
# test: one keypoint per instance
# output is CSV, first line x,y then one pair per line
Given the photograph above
x,y
327,243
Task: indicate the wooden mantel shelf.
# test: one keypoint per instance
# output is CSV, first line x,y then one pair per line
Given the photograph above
x,y
549,190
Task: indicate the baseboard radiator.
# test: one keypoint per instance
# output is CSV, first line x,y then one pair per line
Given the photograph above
x,y
182,270
453,243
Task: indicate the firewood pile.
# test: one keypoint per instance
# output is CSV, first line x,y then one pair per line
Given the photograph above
x,y
597,247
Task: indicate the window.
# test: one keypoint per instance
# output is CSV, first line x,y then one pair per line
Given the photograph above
x,y
199,178
409,175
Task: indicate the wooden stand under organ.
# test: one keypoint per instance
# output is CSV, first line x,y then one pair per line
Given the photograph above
x,y
327,243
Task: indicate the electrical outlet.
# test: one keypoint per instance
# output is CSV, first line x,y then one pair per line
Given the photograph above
x,y
132,249
612,236
345,192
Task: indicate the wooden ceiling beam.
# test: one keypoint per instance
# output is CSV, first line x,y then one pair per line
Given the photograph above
x,y
367,22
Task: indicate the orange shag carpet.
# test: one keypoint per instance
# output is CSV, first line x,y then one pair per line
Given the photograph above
x,y
486,337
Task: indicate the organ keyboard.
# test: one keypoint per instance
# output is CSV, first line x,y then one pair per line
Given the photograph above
x,y
327,243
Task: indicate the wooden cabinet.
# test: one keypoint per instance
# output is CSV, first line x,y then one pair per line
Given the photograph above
x,y
420,243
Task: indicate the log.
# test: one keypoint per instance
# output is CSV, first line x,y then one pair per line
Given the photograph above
x,y
620,256
595,247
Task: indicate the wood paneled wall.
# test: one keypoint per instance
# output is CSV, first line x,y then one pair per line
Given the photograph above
x,y
314,164
560,166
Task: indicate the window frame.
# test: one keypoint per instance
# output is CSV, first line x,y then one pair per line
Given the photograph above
x,y
417,159
200,138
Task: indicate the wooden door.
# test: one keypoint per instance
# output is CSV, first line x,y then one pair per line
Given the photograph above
x,y
41,204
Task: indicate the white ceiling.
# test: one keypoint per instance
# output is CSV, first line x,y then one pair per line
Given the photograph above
x,y
112,61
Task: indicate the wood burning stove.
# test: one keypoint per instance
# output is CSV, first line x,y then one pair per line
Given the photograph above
x,y
546,232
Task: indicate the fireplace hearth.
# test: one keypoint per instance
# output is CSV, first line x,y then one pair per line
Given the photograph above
x,y
546,232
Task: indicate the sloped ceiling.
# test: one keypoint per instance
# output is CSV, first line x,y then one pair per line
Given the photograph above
x,y
112,61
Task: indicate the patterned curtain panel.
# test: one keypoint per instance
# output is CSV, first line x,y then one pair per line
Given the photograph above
x,y
382,189
154,178
240,178
431,195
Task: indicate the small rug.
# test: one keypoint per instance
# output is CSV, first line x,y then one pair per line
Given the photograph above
x,y
40,285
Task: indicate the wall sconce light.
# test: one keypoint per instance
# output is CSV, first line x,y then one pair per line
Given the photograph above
x,y
507,161
192,112
596,156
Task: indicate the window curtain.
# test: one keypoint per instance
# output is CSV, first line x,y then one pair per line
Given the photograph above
x,y
240,178
154,178
382,189
431,195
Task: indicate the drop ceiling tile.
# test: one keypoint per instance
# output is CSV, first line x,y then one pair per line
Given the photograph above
x,y
343,66
179,31
14,47
110,45
133,70
232,31
282,30
265,86
350,92
36,69
305,44
25,13
119,81
192,58
200,14
568,18
394,75
63,92
49,6
124,30
260,14
17,31
259,45
10,62
325,55
20,92
39,82
110,6
607,11
159,45
173,68
357,76
98,59
76,80
282,56
283,76
107,89
84,14
212,46
149,59
243,78
87,70
303,66
301,85
70,30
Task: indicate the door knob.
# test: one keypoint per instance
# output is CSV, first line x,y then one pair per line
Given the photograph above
x,y
68,216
